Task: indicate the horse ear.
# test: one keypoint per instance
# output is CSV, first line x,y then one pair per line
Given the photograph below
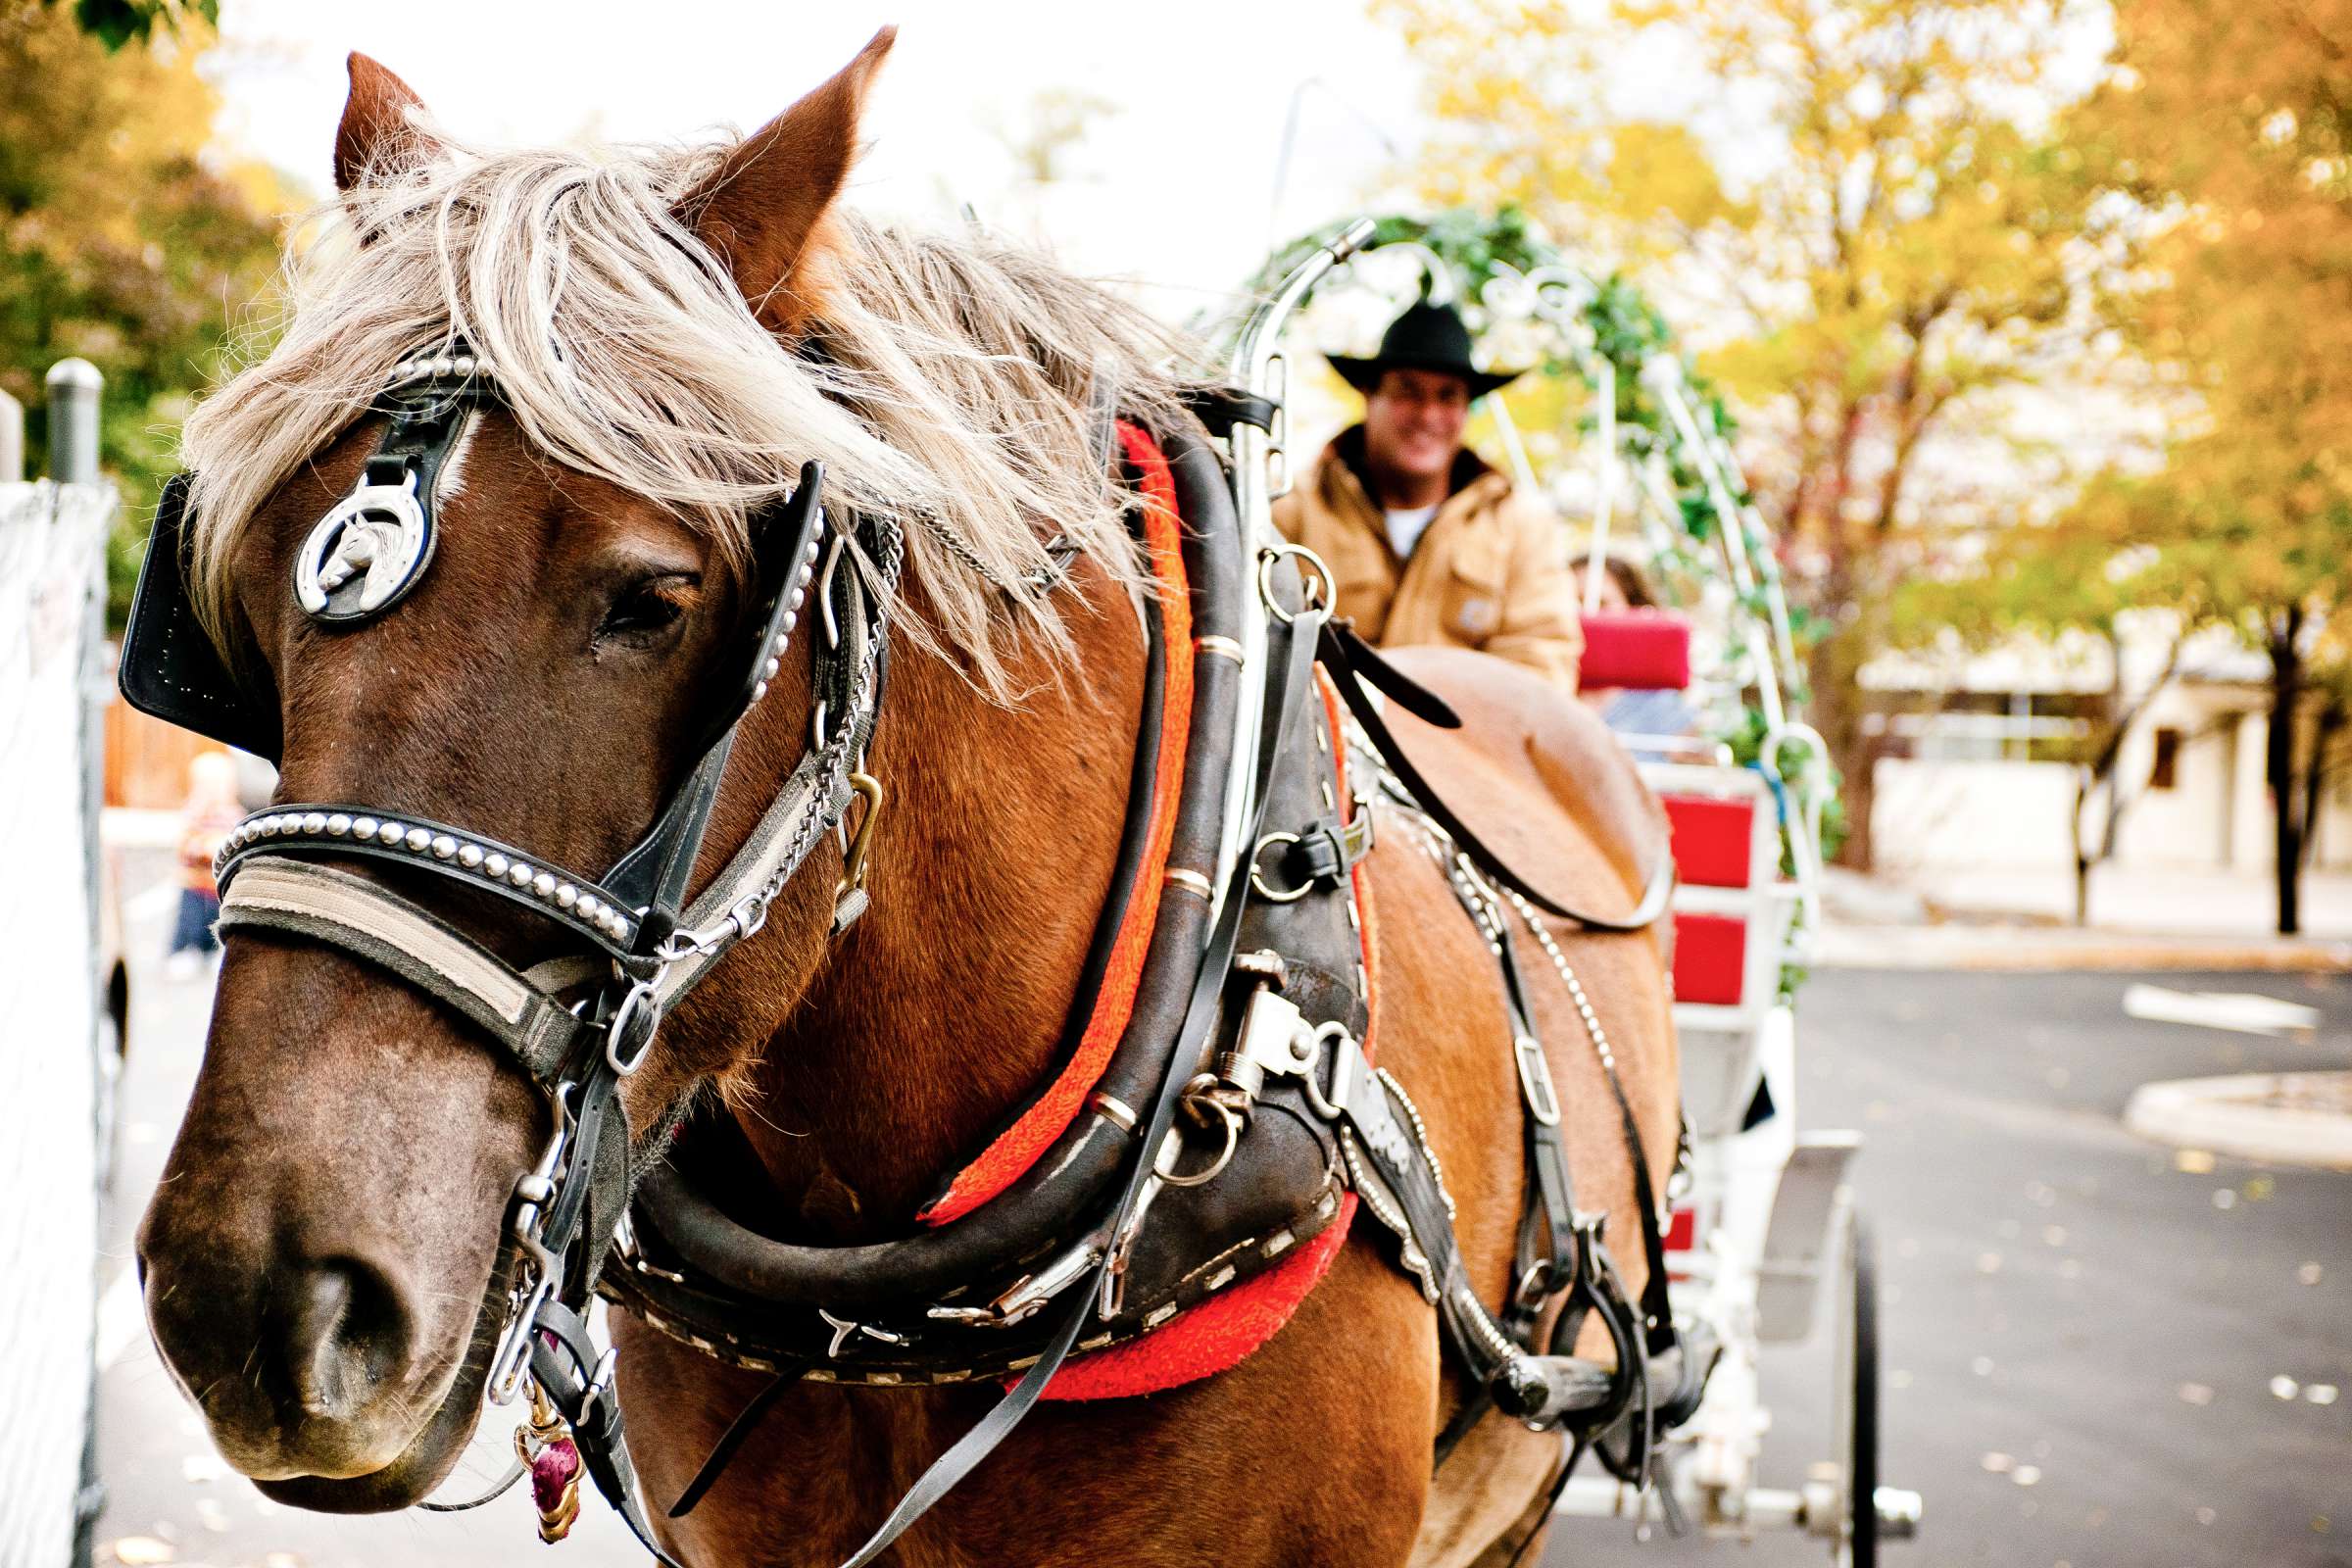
x,y
376,135
766,203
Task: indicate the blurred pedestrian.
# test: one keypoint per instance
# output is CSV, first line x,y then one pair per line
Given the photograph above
x,y
1426,542
212,810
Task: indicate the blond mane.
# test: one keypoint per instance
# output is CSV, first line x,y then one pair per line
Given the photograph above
x,y
945,382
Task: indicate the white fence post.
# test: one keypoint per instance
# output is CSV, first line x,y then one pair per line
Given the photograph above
x,y
12,439
73,386
52,615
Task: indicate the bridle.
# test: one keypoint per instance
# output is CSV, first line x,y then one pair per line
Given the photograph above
x,y
579,1025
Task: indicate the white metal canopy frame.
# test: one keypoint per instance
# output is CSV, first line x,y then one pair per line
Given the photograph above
x,y
1645,455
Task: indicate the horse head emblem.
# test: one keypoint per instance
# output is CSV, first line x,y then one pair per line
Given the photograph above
x,y
365,552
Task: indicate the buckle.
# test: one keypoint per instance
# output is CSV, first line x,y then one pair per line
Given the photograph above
x,y
632,1029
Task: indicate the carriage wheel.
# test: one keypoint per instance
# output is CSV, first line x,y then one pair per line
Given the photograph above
x,y
1856,1541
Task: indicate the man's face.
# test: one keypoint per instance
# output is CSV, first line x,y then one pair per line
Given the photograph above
x,y
1413,421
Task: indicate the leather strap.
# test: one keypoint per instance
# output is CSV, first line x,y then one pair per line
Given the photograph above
x,y
370,921
578,1382
1348,652
1220,408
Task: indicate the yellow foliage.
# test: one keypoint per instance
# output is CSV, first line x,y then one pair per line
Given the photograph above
x,y
2230,124
1854,203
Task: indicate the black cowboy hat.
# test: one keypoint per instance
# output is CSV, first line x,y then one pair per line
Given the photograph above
x,y
1425,337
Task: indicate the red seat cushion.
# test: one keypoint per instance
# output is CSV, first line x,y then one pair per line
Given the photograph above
x,y
1636,649
1710,958
1714,839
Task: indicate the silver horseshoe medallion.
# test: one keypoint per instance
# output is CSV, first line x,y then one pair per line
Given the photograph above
x,y
364,554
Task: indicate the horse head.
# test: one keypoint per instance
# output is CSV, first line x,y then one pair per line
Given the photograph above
x,y
325,1260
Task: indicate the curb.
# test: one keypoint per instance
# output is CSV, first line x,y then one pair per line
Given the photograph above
x,y
2228,1116
2034,950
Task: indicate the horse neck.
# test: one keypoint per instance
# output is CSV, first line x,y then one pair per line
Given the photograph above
x,y
944,1006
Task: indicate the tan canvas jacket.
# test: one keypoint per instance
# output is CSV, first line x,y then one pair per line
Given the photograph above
x,y
1491,572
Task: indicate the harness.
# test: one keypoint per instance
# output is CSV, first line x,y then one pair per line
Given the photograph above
x,y
1237,1122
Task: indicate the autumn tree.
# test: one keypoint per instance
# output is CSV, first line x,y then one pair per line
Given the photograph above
x,y
2220,133
1856,202
2236,123
118,241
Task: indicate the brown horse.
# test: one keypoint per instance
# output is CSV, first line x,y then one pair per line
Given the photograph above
x,y
323,1259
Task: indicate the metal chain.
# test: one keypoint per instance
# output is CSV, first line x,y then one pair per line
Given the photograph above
x,y
1576,987
839,765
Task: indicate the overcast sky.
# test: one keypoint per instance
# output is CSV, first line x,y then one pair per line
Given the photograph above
x,y
1174,188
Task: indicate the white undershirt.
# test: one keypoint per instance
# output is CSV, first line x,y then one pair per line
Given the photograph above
x,y
1407,524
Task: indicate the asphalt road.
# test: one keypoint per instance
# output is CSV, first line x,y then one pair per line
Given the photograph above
x,y
2082,1338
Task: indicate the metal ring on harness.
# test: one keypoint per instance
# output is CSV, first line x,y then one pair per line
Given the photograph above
x,y
1332,1106
639,1000
1317,583
1266,889
1233,1138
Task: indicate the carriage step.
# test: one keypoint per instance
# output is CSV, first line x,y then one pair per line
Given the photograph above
x,y
1801,1242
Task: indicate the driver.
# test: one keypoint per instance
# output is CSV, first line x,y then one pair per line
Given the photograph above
x,y
1426,543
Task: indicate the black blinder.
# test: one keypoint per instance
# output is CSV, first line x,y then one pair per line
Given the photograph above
x,y
170,667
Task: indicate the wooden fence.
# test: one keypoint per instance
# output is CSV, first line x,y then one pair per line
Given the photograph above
x,y
147,759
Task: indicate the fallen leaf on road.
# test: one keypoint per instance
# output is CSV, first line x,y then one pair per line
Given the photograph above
x,y
2196,1394
2193,1162
142,1550
2284,1387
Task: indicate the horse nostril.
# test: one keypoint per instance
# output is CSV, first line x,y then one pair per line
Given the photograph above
x,y
346,1336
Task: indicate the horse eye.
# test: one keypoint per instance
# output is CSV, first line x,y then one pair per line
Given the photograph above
x,y
645,609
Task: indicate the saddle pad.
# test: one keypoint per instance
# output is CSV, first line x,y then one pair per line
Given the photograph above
x,y
1221,1333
